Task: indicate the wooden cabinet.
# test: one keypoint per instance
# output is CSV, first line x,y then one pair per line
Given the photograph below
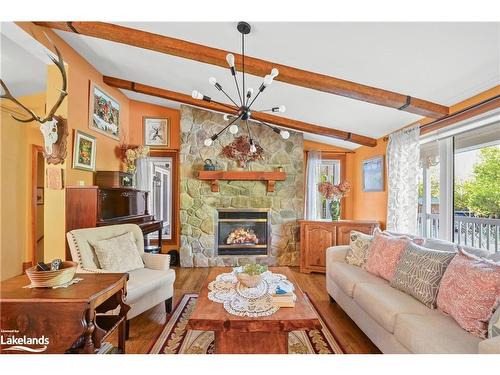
x,y
317,236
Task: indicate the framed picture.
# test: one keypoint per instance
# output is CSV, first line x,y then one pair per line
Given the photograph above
x,y
156,132
104,112
84,148
373,174
39,195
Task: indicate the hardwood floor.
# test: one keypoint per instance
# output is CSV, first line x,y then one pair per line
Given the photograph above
x,y
145,328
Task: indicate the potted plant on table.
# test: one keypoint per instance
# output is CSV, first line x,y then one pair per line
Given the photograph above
x,y
334,193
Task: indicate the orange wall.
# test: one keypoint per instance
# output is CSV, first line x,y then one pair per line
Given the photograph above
x,y
138,110
367,205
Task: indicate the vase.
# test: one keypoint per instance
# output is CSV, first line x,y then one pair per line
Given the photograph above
x,y
335,209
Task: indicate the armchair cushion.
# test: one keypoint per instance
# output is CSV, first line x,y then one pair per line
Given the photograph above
x,y
118,253
156,261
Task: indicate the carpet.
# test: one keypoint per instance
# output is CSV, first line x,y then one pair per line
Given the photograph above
x,y
176,339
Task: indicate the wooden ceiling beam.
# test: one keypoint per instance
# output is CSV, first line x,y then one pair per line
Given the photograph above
x,y
258,67
265,117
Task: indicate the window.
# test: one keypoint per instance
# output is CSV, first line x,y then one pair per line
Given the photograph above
x,y
321,168
459,190
155,174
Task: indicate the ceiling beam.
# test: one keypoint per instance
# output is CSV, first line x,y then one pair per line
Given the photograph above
x,y
258,67
268,118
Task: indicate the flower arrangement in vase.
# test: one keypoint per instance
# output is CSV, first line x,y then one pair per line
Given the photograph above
x,y
130,154
334,193
239,151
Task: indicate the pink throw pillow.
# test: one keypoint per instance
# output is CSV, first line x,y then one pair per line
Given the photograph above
x,y
385,252
469,292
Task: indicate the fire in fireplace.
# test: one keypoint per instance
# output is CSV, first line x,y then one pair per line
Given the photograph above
x,y
242,232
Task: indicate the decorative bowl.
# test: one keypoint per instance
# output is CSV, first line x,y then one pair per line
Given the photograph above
x,y
250,281
49,279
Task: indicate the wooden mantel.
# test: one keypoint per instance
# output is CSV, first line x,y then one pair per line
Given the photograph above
x,y
215,176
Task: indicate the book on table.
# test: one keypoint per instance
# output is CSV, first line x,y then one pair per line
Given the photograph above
x,y
283,296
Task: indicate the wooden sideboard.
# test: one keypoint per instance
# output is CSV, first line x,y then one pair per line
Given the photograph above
x,y
317,236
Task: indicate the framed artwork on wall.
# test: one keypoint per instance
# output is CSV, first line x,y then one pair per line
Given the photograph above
x,y
156,132
373,174
84,149
104,112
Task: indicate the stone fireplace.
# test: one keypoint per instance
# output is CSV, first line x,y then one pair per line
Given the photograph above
x,y
201,207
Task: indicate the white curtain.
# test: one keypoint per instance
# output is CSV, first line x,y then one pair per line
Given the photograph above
x,y
142,174
403,156
313,160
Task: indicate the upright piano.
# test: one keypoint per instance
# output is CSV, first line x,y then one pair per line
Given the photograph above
x,y
94,206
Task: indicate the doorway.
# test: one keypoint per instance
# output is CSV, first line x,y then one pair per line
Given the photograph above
x,y
37,204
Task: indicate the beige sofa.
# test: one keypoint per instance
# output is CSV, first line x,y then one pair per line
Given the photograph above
x,y
146,287
394,321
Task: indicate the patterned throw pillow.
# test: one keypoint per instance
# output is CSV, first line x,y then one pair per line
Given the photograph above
x,y
118,254
469,292
385,252
358,248
420,271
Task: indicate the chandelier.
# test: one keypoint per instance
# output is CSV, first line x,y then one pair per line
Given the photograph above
x,y
246,97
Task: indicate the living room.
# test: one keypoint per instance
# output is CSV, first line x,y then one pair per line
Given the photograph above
x,y
249,187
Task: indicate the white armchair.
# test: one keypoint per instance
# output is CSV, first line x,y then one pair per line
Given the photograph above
x,y
146,287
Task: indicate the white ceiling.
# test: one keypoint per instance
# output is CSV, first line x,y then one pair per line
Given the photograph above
x,y
441,62
23,61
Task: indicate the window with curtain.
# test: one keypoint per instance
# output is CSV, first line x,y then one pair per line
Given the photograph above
x,y
322,168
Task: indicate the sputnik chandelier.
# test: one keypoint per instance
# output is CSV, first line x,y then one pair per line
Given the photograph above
x,y
246,97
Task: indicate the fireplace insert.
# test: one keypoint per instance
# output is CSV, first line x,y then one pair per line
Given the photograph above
x,y
242,231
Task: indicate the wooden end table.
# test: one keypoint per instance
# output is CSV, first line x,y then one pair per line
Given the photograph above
x,y
244,335
66,316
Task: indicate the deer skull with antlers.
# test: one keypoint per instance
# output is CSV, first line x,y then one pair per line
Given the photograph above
x,y
49,123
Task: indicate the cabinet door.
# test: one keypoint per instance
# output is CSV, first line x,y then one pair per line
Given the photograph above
x,y
344,231
317,239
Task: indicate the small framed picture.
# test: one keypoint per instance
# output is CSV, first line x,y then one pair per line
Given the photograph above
x,y
373,174
104,112
156,132
39,195
84,149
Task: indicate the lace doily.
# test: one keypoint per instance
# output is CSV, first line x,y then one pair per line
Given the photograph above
x,y
240,300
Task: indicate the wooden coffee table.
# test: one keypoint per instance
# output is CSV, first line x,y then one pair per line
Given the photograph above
x,y
244,335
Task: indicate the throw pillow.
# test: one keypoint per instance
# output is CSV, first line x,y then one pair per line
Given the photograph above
x,y
420,271
358,248
437,244
118,254
469,292
385,252
480,253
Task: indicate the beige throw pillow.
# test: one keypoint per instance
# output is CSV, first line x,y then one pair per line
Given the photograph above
x,y
118,254
358,248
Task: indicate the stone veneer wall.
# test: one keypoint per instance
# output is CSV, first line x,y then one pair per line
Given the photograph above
x,y
198,203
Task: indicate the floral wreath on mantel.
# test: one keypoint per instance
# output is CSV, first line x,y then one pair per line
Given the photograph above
x,y
239,151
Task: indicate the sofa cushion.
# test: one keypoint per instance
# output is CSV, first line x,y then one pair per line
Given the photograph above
x,y
434,333
144,280
385,252
358,248
469,292
347,276
384,303
118,254
419,272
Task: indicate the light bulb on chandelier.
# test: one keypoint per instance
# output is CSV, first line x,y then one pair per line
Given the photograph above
x,y
208,142
233,129
197,95
253,149
284,134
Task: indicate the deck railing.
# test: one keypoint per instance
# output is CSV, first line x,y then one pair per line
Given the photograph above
x,y
476,232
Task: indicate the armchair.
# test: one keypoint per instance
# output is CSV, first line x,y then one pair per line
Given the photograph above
x,y
146,287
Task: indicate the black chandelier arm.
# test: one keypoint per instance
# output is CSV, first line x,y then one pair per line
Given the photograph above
x,y
274,128
225,93
262,87
224,105
237,85
243,93
248,130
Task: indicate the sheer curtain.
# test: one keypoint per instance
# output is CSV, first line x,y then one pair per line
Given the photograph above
x,y
142,174
313,160
403,157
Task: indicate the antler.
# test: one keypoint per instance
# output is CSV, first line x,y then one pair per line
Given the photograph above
x,y
33,117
